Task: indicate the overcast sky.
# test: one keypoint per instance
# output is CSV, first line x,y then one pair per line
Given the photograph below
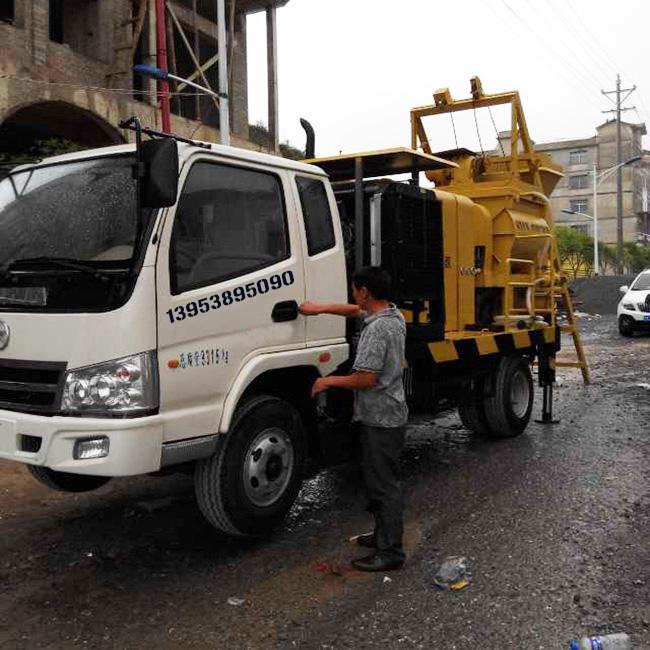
x,y
354,68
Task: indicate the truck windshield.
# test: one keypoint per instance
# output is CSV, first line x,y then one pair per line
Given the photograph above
x,y
68,235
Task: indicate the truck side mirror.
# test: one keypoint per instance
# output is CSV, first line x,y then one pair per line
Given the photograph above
x,y
160,182
624,289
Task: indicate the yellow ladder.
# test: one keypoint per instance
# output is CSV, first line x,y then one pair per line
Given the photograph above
x,y
572,328
560,288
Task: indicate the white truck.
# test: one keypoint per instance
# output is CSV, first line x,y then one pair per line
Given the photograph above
x,y
131,336
149,311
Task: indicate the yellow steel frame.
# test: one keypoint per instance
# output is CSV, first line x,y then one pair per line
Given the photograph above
x,y
518,132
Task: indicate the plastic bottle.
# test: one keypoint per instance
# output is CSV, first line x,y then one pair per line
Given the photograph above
x,y
608,642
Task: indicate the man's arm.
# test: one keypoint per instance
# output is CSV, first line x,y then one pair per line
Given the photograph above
x,y
359,380
309,308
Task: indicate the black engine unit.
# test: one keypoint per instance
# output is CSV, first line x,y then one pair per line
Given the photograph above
x,y
405,222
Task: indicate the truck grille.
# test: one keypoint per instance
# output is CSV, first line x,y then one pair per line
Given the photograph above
x,y
31,386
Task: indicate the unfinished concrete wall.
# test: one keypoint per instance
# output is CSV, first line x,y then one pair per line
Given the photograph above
x,y
55,53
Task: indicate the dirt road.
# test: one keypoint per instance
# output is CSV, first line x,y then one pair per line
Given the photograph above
x,y
554,526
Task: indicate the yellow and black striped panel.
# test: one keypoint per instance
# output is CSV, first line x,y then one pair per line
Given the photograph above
x,y
469,350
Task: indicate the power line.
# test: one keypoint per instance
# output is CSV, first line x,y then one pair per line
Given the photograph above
x,y
592,53
561,70
573,48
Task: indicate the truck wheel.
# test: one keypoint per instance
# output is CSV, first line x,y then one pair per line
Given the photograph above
x,y
626,326
249,484
508,409
66,482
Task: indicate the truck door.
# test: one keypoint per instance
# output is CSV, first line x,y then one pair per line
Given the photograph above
x,y
230,279
325,274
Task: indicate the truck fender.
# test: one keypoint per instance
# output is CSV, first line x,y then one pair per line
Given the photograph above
x,y
325,359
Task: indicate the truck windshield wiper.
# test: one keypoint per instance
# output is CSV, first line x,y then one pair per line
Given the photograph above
x,y
61,262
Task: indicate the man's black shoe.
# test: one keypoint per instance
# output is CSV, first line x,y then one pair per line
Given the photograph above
x,y
367,540
376,563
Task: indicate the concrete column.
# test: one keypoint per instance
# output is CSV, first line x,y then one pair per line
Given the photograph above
x,y
40,31
239,90
272,75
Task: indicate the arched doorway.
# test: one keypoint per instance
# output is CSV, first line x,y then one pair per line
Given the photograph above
x,y
50,128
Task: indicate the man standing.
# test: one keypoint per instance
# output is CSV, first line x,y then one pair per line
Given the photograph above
x,y
380,407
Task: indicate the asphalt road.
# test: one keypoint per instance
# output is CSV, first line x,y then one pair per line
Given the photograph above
x,y
554,525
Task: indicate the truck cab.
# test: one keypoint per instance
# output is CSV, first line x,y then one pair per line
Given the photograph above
x,y
134,334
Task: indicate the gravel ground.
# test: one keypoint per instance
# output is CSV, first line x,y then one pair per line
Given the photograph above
x,y
554,526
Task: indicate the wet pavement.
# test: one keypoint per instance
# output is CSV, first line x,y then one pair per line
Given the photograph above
x,y
554,526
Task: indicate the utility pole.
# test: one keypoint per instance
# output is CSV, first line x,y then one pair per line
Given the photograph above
x,y
619,173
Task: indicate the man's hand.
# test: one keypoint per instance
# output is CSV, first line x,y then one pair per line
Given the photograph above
x,y
320,385
309,308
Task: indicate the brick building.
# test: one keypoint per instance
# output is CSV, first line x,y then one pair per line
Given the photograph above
x,y
575,191
65,68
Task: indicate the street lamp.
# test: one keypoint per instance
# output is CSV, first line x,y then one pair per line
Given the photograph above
x,y
597,180
163,75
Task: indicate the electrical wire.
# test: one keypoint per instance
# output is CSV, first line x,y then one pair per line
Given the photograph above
x,y
558,68
567,63
602,53
571,44
117,91
592,53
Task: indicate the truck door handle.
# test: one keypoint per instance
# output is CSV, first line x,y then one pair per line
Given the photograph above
x,y
284,311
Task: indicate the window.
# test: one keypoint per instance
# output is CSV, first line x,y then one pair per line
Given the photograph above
x,y
579,205
316,213
578,157
579,182
7,11
581,227
642,283
229,221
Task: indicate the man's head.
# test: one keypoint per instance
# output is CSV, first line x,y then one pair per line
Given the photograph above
x,y
370,283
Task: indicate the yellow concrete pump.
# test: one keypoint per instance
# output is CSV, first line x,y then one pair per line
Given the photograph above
x,y
474,264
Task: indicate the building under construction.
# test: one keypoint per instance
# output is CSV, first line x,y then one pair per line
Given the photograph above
x,y
66,69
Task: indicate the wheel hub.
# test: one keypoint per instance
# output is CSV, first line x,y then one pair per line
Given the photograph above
x,y
268,466
519,394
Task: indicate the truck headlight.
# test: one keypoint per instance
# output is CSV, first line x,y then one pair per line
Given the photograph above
x,y
125,386
628,305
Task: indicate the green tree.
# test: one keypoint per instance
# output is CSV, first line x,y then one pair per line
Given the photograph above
x,y
607,256
38,150
576,250
636,257
259,134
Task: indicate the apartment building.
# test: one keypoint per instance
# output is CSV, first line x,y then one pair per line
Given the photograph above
x,y
574,192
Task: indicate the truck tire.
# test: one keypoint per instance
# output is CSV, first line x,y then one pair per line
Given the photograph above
x,y
473,418
508,408
66,482
251,481
626,326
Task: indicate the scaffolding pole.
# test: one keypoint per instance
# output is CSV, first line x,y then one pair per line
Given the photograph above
x,y
161,62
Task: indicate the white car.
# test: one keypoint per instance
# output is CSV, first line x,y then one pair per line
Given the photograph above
x,y
634,308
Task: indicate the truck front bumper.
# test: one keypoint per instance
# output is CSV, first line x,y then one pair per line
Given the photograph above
x,y
134,445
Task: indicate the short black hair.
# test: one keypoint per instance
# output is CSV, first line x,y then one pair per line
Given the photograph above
x,y
375,279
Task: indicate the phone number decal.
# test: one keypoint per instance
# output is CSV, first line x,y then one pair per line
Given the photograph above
x,y
228,297
202,358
